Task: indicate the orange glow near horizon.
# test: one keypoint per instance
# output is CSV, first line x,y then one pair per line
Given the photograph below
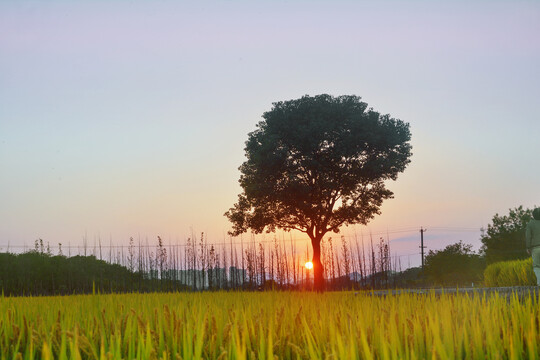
x,y
309,265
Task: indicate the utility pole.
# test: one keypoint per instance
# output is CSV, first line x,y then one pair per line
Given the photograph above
x,y
422,247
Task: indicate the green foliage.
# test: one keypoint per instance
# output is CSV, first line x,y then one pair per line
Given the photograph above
x,y
510,273
409,278
36,273
454,265
505,236
317,163
536,213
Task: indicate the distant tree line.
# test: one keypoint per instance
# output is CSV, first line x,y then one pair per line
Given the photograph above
x,y
33,273
196,265
349,263
457,264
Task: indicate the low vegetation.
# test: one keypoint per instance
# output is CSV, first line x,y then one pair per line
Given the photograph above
x,y
510,273
297,325
33,273
352,262
455,265
197,265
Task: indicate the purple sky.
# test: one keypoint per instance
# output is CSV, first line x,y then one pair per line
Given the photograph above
x,y
129,117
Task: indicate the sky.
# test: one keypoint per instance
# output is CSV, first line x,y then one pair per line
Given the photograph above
x,y
128,118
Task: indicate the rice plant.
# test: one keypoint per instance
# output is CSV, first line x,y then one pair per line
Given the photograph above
x,y
510,273
284,325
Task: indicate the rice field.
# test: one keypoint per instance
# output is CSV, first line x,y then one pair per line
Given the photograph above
x,y
269,325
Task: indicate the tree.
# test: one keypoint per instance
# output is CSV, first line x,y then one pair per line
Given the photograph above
x,y
315,164
505,236
456,264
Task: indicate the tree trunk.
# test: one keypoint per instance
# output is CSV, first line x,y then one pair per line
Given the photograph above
x,y
318,271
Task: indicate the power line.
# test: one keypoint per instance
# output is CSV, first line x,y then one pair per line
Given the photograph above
x,y
275,239
457,229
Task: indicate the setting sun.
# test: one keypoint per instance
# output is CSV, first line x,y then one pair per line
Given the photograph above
x,y
309,265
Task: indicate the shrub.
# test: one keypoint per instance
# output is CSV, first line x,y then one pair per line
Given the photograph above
x,y
457,265
510,273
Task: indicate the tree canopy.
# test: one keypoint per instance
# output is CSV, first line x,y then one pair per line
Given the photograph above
x,y
40,273
504,238
317,163
456,264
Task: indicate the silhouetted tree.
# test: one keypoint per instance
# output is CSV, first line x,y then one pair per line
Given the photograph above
x,y
131,255
454,265
345,255
34,273
317,163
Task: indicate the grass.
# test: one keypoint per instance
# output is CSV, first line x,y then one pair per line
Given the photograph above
x,y
269,325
